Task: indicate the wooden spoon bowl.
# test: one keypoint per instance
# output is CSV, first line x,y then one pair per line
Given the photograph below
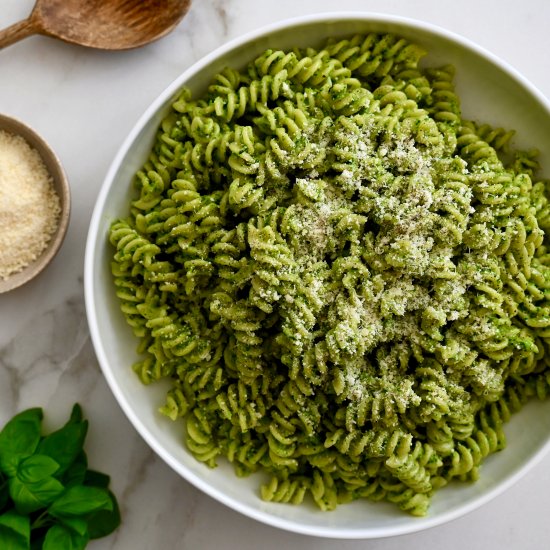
x,y
106,25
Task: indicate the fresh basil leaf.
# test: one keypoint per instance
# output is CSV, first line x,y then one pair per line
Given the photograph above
x,y
36,467
19,439
4,493
78,525
79,501
96,479
104,522
17,523
10,540
29,497
59,537
76,472
65,444
76,414
49,500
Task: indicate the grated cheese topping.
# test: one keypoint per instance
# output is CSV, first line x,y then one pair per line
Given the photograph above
x,y
29,205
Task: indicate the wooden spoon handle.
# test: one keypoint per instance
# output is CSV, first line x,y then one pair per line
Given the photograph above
x,y
17,32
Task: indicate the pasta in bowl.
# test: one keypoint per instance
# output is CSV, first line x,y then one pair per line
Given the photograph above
x,y
334,261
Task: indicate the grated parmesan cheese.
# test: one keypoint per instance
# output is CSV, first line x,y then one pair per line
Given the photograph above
x,y
29,205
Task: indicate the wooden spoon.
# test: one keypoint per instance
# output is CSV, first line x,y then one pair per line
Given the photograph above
x,y
103,24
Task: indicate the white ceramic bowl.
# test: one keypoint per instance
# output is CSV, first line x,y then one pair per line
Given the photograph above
x,y
491,91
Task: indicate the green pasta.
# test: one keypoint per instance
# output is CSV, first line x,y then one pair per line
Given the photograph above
x,y
345,282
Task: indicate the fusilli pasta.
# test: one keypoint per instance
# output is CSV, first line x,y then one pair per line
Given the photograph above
x,y
345,281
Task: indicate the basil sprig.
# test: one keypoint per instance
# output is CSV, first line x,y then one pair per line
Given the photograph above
x,y
49,499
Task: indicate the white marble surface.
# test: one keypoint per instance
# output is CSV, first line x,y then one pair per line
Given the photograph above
x,y
84,103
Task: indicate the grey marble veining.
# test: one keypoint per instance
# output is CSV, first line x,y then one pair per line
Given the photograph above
x,y
84,103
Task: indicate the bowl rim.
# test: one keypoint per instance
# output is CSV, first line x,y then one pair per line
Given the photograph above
x,y
417,524
54,166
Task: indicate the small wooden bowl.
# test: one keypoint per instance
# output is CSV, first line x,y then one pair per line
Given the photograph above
x,y
61,186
